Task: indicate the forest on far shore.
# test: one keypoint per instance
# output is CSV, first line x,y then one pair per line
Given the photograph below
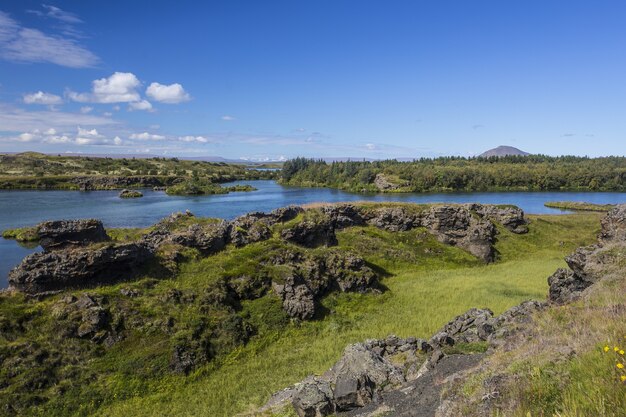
x,y
521,173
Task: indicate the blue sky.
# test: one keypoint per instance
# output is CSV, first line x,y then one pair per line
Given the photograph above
x,y
275,79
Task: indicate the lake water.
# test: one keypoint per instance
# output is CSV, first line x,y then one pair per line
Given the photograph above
x,y
26,208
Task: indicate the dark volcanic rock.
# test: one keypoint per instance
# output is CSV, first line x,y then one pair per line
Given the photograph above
x,y
614,225
126,193
510,217
313,399
565,286
206,238
311,233
475,325
297,298
250,228
394,219
81,267
62,234
350,272
343,215
458,226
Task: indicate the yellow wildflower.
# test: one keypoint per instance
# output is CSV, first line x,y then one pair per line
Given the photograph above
x,y
621,352
606,348
620,365
623,378
615,349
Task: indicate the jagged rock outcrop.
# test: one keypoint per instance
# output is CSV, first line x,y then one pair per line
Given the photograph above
x,y
63,234
309,277
510,217
311,233
459,226
468,226
394,219
567,284
370,371
76,268
251,228
614,225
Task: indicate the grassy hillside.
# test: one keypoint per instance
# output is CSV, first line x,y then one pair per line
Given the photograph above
x,y
256,348
35,170
423,293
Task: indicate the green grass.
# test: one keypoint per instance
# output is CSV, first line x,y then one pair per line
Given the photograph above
x,y
423,293
579,206
22,234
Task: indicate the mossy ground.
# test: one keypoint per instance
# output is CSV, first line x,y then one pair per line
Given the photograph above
x,y
427,283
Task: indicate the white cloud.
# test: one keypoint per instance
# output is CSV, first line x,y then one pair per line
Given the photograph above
x,y
86,132
62,15
140,105
370,146
42,98
86,109
107,114
190,138
228,118
171,94
121,87
14,119
26,137
50,131
57,139
116,108
21,44
146,136
117,140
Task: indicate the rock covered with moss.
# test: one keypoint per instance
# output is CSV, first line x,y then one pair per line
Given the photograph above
x,y
126,193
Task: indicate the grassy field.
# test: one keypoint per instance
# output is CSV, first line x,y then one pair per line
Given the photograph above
x,y
427,284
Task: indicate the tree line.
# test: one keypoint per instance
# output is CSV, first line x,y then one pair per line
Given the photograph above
x,y
532,172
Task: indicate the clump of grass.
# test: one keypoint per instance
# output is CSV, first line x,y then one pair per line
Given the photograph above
x,y
22,234
579,206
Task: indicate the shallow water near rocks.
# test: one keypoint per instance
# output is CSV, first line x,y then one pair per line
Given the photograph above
x,y
27,208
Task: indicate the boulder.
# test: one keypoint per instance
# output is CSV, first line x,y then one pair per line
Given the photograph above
x,y
474,325
566,286
76,268
126,193
313,398
63,234
298,300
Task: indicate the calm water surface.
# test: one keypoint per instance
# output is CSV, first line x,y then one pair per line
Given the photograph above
x,y
26,208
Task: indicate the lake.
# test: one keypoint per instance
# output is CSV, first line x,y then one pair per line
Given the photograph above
x,y
26,208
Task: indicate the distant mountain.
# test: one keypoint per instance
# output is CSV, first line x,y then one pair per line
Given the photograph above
x,y
503,151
